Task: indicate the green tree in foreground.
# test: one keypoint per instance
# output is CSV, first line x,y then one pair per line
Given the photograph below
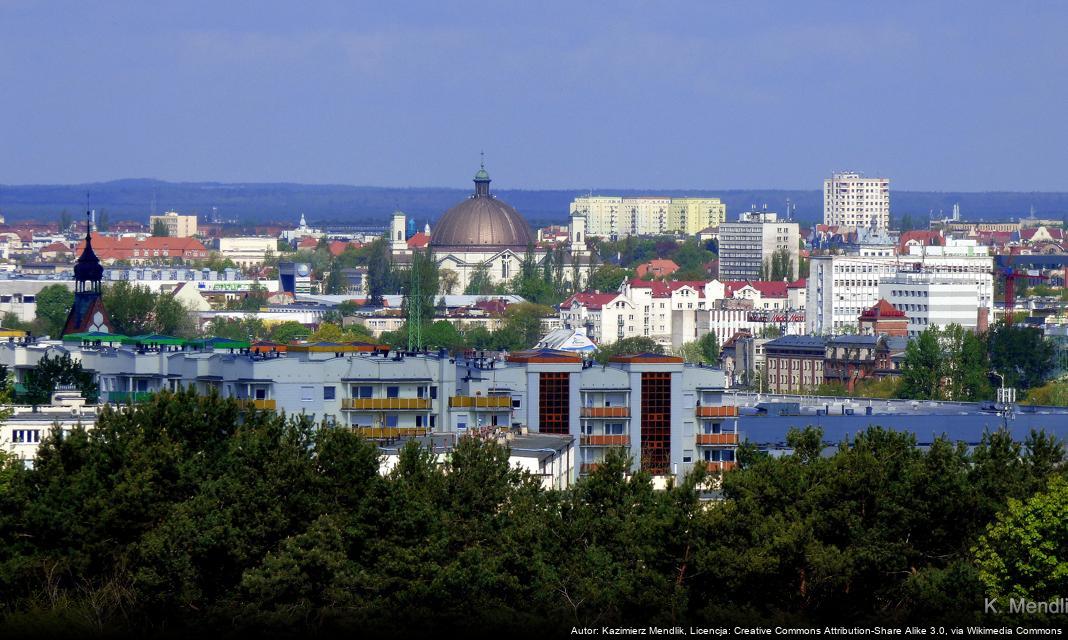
x,y
1024,554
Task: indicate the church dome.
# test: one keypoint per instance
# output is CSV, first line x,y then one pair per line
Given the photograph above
x,y
481,222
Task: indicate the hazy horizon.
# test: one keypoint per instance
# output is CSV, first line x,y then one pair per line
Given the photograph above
x,y
947,96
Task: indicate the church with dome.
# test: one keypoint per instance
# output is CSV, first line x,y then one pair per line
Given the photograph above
x,y
484,231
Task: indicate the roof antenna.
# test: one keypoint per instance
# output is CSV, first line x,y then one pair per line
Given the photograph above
x,y
482,159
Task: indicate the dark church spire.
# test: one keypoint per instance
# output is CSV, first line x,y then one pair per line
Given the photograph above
x,y
87,271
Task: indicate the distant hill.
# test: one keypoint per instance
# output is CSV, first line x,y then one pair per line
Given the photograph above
x,y
284,202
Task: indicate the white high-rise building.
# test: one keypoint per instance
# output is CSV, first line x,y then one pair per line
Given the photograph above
x,y
852,200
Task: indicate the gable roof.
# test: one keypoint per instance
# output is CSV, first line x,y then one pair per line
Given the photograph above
x,y
590,300
882,309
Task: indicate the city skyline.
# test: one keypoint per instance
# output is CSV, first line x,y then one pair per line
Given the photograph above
x,y
659,97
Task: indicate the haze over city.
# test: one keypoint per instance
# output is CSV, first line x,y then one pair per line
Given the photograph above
x,y
938,96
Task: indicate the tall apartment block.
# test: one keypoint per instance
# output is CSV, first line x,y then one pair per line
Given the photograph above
x,y
852,200
614,216
746,247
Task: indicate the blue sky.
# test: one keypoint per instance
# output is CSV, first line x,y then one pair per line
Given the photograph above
x,y
703,95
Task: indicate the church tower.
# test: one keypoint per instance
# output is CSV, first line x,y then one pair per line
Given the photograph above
x,y
88,312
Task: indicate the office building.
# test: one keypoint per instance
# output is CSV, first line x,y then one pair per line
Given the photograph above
x,y
748,248
841,287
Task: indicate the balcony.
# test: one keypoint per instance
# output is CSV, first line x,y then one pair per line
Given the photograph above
x,y
716,466
605,441
383,433
262,404
123,397
385,404
717,412
605,412
717,438
588,467
480,402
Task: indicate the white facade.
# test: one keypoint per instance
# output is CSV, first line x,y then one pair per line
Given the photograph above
x,y
841,287
931,300
247,251
852,200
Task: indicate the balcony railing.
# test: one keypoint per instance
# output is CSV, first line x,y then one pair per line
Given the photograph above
x,y
481,402
717,412
716,466
122,397
605,412
717,438
385,404
382,433
606,441
259,403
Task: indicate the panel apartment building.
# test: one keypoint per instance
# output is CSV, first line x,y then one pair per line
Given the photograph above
x,y
746,247
852,200
616,217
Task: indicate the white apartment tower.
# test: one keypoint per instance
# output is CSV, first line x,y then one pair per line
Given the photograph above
x,y
852,200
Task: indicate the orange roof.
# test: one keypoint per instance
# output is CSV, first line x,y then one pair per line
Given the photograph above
x,y
338,247
57,247
661,267
307,242
109,248
418,241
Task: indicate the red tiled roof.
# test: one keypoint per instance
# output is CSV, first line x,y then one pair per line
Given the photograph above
x,y
57,247
665,289
767,288
590,300
882,309
418,241
338,247
308,242
109,248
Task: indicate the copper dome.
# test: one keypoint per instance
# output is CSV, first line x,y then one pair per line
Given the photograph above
x,y
481,222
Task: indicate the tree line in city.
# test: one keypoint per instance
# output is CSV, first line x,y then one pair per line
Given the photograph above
x,y
954,363
190,513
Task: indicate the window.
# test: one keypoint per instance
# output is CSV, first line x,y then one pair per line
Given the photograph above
x,y
392,421
329,393
433,393
554,395
392,392
26,435
614,429
306,393
364,392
